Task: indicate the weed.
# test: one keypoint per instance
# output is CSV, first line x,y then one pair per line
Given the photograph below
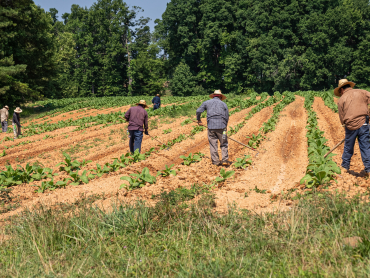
x,y
259,190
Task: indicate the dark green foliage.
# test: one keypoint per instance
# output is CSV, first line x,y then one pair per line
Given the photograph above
x,y
27,51
269,45
183,82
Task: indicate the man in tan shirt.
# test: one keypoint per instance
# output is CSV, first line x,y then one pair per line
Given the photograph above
x,y
353,114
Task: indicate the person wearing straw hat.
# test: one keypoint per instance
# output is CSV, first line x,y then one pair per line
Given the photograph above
x,y
217,120
137,118
17,122
156,102
353,114
4,115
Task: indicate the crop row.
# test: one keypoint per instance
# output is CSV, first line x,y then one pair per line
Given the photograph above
x,y
320,170
19,175
58,106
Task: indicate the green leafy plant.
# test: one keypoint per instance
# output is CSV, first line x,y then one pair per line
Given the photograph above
x,y
3,154
68,165
187,121
49,185
224,175
138,180
168,171
190,159
100,171
243,162
259,190
255,140
79,179
166,131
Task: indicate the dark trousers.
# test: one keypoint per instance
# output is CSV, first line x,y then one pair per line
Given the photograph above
x,y
363,136
215,135
156,106
136,137
4,126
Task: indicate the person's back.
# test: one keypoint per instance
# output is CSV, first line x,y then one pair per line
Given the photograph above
x,y
217,113
4,114
353,109
137,118
156,102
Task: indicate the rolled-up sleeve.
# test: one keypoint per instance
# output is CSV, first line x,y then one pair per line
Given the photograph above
x,y
200,110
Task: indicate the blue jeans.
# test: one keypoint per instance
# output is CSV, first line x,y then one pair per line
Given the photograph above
x,y
363,136
4,126
136,136
156,106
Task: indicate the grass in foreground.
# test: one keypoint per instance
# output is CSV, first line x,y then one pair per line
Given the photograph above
x,y
179,240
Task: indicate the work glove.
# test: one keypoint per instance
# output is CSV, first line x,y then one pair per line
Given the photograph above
x,y
146,132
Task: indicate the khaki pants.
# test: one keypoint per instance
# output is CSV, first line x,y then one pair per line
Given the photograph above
x,y
17,130
215,135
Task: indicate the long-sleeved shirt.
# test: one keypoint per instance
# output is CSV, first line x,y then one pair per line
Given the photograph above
x,y
156,100
16,119
137,118
353,108
217,113
4,114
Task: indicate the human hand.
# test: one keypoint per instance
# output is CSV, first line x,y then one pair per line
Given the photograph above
x,y
146,132
200,123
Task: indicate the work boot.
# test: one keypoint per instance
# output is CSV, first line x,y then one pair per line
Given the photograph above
x,y
217,163
228,162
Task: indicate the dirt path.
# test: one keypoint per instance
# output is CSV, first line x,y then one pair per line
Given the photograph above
x,y
329,123
280,165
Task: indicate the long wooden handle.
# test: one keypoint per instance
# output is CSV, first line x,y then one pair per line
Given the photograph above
x,y
242,144
340,143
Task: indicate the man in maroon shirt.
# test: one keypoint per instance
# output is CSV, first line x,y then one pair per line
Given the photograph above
x,y
137,118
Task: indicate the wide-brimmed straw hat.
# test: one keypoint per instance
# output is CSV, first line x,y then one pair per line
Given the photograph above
x,y
142,102
341,83
18,110
218,93
6,106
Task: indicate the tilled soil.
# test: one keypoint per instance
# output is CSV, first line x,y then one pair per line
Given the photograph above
x,y
281,161
351,182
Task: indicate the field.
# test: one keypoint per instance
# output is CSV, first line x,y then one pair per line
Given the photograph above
x,y
74,152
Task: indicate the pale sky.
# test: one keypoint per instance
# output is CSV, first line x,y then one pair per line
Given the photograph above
x,y
152,9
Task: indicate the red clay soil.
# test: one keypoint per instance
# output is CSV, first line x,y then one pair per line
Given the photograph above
x,y
279,166
30,198
329,123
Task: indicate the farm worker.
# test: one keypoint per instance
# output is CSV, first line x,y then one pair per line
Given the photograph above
x,y
4,115
217,120
137,118
156,102
17,122
353,114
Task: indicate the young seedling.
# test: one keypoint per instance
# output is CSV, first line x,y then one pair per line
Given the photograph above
x,y
190,159
243,162
259,190
187,121
168,171
3,154
166,131
224,175
138,180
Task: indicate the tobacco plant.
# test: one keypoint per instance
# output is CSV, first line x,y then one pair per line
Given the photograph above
x,y
190,159
243,162
168,171
224,175
138,180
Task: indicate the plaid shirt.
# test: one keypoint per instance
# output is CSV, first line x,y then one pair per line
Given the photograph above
x,y
217,113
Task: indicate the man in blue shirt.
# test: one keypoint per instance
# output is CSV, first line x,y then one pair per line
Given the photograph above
x,y
217,120
156,102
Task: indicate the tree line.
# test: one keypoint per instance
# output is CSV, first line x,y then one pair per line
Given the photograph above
x,y
197,46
